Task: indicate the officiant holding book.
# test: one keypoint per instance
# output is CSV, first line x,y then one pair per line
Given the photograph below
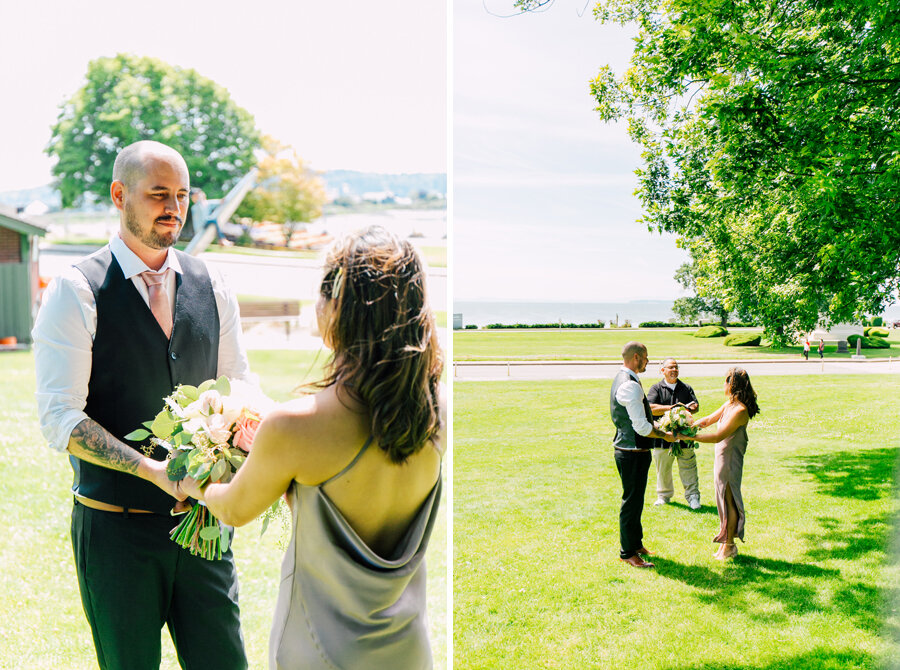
x,y
664,395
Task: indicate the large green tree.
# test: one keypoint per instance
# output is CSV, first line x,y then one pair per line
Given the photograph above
x,y
128,98
770,137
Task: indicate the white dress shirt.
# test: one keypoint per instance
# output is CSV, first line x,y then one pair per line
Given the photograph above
x,y
64,332
630,394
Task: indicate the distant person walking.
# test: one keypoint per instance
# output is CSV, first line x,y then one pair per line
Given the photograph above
x,y
806,348
663,396
630,413
821,348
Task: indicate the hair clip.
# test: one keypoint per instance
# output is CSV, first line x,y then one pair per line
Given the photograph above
x,y
337,283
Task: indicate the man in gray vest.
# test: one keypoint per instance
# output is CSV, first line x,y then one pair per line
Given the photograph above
x,y
633,440
115,334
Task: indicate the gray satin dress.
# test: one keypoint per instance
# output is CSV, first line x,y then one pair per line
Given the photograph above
x,y
341,605
728,470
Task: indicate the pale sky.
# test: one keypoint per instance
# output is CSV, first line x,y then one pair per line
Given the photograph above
x,y
542,202
360,86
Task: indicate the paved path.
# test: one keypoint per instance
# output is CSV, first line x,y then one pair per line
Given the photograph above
x,y
286,278
560,370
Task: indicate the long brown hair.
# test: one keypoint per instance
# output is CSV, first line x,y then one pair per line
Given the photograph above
x,y
386,352
739,387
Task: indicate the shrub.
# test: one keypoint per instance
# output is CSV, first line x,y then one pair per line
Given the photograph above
x,y
868,342
743,340
875,331
471,326
711,331
557,326
878,321
653,324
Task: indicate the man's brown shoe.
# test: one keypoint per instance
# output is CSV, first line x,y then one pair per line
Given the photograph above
x,y
637,562
643,551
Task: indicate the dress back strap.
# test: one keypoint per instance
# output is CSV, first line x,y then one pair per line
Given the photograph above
x,y
350,464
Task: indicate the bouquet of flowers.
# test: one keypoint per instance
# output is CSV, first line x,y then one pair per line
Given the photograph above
x,y
678,420
208,432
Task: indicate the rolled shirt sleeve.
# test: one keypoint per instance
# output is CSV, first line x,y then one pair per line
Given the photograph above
x,y
631,395
63,340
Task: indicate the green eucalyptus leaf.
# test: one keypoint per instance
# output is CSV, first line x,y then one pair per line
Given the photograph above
x,y
163,425
222,385
210,533
205,386
218,470
225,538
138,435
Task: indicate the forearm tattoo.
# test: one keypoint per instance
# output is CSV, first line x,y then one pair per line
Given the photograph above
x,y
96,445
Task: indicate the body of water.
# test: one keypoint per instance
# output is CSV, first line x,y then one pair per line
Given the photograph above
x,y
482,313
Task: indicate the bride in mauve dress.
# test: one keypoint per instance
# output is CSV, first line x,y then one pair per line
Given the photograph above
x,y
360,463
730,436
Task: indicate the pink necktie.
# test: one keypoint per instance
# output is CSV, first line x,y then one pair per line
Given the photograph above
x,y
159,299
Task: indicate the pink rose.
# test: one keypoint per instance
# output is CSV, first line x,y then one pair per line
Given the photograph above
x,y
245,430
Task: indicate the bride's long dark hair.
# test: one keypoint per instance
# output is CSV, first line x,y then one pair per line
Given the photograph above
x,y
386,352
740,388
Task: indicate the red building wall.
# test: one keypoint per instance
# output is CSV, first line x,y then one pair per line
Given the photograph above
x,y
10,246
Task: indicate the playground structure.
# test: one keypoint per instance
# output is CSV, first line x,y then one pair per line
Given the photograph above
x,y
264,234
205,231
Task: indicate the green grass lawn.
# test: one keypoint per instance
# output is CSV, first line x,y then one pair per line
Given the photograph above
x,y
537,580
601,344
44,626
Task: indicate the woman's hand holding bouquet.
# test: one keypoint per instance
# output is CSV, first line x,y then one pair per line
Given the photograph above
x,y
208,431
681,423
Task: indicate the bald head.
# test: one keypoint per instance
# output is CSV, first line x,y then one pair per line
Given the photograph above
x,y
131,163
633,348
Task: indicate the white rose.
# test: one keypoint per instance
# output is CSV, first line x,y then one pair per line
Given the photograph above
x,y
210,402
217,430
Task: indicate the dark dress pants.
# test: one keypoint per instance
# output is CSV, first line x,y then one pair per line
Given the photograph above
x,y
134,580
633,467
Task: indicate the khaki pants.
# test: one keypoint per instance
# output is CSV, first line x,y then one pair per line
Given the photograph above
x,y
687,469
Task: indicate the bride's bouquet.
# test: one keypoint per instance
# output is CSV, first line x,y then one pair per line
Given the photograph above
x,y
208,432
678,420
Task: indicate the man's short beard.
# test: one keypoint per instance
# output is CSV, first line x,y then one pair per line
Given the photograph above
x,y
150,237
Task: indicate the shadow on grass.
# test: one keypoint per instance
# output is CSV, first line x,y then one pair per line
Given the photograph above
x,y
846,541
863,474
817,659
704,509
772,591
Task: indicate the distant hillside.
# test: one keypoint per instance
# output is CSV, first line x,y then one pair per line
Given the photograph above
x,y
340,182
350,182
46,194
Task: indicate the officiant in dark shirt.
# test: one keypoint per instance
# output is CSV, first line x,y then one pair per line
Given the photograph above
x,y
663,396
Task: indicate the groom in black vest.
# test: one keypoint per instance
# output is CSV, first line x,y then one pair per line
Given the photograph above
x,y
633,440
115,335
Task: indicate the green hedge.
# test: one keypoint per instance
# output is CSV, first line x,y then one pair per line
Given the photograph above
x,y
743,340
498,326
711,331
868,342
875,331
